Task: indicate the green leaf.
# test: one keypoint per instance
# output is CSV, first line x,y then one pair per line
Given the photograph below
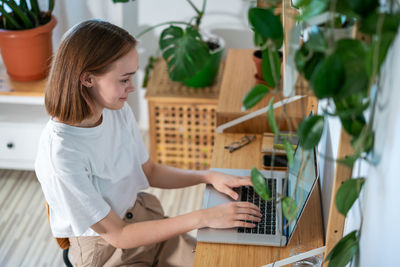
x,y
360,7
316,41
300,58
383,43
353,125
184,52
347,194
328,77
315,7
364,141
289,151
311,65
353,54
289,208
34,18
268,67
300,3
35,7
306,61
266,23
390,23
259,184
343,8
351,105
254,96
24,5
11,23
51,6
277,42
343,251
353,84
310,131
351,111
259,40
348,160
271,117
18,11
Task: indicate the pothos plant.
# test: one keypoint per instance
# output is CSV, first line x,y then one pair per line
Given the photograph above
x,y
346,74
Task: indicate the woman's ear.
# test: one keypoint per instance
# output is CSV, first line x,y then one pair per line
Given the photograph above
x,y
87,79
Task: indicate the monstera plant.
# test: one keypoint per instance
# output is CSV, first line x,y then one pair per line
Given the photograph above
x,y
192,56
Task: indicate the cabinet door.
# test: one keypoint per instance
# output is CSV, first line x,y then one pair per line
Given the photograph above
x,y
18,142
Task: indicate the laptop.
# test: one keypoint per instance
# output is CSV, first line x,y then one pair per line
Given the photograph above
x,y
273,229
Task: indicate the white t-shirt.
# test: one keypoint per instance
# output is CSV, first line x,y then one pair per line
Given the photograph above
x,y
86,171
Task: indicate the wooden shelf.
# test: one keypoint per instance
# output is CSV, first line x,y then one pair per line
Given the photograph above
x,y
20,92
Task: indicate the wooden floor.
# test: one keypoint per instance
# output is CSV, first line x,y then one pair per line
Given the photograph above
x,y
25,238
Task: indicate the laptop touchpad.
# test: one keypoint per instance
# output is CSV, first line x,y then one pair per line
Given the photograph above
x,y
217,198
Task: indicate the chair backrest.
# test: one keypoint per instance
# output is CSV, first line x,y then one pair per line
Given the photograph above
x,y
63,243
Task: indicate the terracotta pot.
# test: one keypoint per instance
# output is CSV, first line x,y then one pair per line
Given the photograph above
x,y
257,58
27,53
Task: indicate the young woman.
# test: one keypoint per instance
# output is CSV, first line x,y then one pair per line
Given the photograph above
x,y
92,163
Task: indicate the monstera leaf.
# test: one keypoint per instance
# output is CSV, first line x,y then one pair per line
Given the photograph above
x,y
184,51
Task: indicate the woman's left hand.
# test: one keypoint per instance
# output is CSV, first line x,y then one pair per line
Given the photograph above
x,y
225,182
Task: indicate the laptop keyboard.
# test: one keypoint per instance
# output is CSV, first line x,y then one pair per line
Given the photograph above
x,y
267,225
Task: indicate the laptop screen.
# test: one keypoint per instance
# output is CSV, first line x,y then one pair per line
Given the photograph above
x,y
301,191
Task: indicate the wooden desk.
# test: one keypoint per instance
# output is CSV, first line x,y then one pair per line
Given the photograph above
x,y
309,230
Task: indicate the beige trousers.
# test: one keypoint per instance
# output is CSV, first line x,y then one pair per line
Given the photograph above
x,y
95,251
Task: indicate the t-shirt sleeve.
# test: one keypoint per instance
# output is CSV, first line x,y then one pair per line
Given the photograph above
x,y
140,147
74,197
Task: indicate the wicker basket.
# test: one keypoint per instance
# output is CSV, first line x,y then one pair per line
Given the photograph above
x,y
182,121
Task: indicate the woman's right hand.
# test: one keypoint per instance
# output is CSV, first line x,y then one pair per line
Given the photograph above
x,y
232,214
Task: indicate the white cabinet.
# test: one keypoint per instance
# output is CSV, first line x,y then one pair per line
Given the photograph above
x,y
21,122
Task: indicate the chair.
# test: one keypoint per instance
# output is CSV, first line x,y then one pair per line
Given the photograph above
x,y
63,243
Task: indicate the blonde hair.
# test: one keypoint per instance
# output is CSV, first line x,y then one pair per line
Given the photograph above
x,y
91,46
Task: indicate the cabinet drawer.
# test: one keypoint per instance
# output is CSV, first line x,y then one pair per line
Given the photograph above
x,y
19,141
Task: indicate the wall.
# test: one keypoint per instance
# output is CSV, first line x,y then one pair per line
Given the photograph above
x,y
379,206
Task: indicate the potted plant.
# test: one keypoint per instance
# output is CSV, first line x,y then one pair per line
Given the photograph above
x,y
268,37
258,19
25,38
192,55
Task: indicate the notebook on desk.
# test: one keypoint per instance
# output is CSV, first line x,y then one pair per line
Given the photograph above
x,y
272,230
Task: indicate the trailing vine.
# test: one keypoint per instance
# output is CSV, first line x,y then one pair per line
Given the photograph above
x,y
343,71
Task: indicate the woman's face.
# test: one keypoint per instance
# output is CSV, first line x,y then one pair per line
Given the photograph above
x,y
110,90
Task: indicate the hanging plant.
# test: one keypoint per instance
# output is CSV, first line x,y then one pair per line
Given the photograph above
x,y
344,72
